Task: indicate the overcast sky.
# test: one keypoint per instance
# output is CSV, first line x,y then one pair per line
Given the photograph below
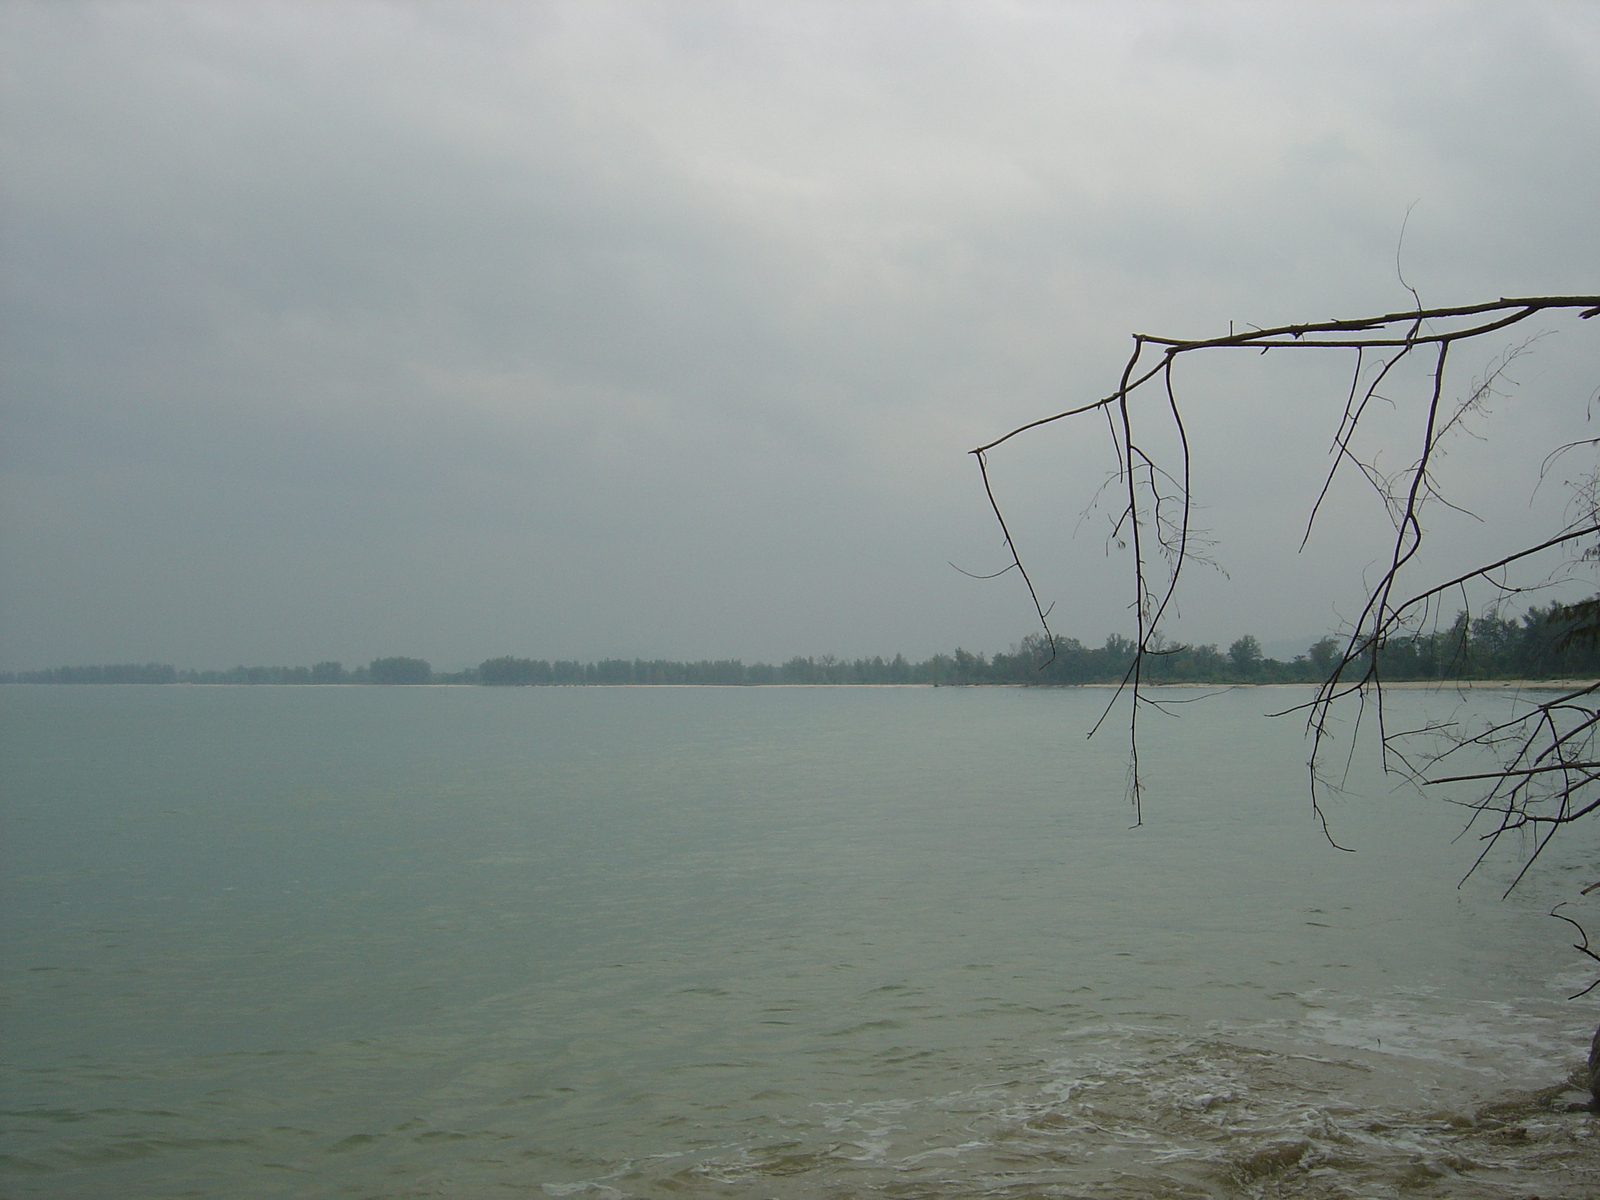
x,y
336,330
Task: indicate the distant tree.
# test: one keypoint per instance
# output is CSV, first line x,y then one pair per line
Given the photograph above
x,y
1324,653
328,672
514,672
970,668
108,673
1245,655
1207,660
399,670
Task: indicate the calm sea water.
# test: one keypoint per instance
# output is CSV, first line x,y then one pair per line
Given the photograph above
x,y
779,942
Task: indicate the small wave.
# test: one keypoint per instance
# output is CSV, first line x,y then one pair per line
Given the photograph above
x,y
1139,1113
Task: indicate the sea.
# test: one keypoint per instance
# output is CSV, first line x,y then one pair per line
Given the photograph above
x,y
778,942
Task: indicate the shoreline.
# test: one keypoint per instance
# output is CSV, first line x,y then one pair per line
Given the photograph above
x,y
1515,685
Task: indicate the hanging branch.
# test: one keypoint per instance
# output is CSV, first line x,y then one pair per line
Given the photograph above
x,y
1538,789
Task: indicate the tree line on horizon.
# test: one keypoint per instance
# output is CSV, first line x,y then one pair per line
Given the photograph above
x,y
1539,645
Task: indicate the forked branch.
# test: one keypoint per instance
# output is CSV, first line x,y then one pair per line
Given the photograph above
x,y
1541,786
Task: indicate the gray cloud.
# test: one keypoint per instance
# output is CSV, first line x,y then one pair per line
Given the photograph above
x,y
457,330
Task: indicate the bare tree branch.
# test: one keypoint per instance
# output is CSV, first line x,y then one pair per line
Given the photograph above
x,y
1546,757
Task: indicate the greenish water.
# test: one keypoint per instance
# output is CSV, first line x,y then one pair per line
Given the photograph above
x,y
396,942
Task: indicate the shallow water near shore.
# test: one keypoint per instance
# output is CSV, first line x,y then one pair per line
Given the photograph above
x,y
772,942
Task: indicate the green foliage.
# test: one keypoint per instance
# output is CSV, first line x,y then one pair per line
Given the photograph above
x,y
399,670
1555,642
1245,654
1547,643
1324,653
514,672
118,673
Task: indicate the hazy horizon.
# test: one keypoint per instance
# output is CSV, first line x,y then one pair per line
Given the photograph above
x,y
1283,651
633,330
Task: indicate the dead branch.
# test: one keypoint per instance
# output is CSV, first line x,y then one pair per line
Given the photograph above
x,y
1546,756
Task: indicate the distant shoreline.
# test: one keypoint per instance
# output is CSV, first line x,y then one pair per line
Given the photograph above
x,y
1515,685
1536,652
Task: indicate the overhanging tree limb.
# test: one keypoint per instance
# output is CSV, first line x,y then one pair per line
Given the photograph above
x,y
1154,520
